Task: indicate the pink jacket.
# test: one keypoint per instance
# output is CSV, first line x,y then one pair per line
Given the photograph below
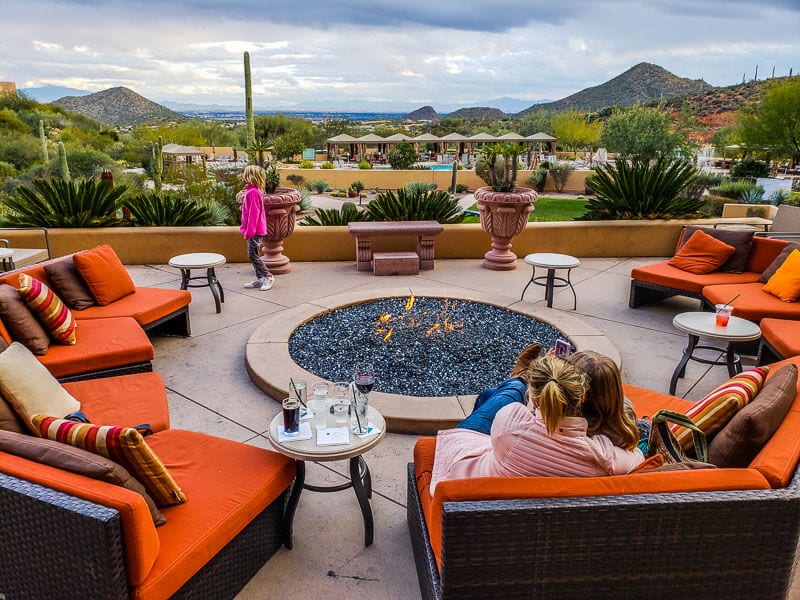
x,y
520,446
254,219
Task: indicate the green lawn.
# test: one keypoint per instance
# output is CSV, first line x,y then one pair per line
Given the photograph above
x,y
547,209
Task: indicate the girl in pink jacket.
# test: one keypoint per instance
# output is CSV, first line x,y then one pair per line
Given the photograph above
x,y
551,440
254,225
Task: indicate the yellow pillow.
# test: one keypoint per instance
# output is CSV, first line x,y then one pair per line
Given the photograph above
x,y
785,283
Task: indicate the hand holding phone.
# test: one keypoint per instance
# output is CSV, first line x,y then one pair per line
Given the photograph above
x,y
562,348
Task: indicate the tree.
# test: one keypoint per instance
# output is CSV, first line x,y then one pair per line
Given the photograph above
x,y
402,156
287,145
574,131
774,124
641,132
538,121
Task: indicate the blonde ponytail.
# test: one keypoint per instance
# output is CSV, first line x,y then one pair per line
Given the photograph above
x,y
557,388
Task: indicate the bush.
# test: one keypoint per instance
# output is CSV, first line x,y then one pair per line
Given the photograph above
x,y
713,205
419,187
305,201
364,164
703,182
754,195
296,180
641,190
461,188
792,199
402,156
168,209
415,205
560,173
318,185
537,179
348,213
750,167
306,164
357,186
326,165
733,189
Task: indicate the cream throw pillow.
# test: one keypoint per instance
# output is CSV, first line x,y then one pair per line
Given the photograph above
x,y
30,388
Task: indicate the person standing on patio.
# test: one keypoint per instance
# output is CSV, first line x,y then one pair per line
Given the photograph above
x,y
254,225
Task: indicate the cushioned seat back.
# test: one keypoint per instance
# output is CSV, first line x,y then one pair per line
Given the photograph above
x,y
36,271
787,219
763,252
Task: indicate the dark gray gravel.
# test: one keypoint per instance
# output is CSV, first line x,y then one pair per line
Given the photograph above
x,y
473,356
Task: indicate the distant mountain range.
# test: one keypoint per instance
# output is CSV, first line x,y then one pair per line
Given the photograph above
x,y
48,93
641,83
119,106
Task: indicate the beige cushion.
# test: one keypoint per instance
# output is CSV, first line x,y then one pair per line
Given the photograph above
x,y
75,460
30,388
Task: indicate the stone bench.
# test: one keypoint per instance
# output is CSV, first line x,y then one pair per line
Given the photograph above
x,y
394,263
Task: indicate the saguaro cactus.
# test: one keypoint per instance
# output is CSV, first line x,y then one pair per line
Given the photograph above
x,y
63,167
157,163
454,179
248,102
43,142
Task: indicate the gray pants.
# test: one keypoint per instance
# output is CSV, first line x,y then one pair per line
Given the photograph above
x,y
253,244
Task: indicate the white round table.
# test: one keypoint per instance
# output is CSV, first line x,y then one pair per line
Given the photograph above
x,y
305,450
7,258
201,260
703,324
552,262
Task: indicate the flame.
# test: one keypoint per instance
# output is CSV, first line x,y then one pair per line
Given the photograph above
x,y
442,322
410,302
384,318
388,335
433,329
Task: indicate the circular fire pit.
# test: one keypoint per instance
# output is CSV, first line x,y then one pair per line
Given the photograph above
x,y
473,338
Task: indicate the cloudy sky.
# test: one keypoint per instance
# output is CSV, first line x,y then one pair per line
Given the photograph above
x,y
398,51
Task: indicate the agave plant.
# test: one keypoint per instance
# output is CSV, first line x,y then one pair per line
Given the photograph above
x,y
167,209
642,189
59,203
415,205
330,216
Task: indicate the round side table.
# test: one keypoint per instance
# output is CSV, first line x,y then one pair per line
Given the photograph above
x,y
703,324
201,260
552,262
305,450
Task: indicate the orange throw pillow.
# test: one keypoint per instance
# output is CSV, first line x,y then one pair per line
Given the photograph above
x,y
701,254
785,283
104,274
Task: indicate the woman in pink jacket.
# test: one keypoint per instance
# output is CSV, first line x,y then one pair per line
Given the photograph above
x,y
254,224
551,440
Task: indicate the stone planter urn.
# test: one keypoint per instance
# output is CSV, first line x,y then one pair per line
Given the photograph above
x,y
503,215
280,206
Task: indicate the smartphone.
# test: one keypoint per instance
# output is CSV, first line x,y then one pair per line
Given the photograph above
x,y
563,348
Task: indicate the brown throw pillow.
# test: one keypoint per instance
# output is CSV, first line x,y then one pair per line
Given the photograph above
x,y
738,443
20,322
740,239
69,285
75,460
778,262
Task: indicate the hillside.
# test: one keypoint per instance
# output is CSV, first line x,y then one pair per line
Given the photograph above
x,y
478,113
640,83
726,99
119,106
426,113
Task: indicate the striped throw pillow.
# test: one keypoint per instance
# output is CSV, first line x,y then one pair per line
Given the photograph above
x,y
124,445
48,308
714,411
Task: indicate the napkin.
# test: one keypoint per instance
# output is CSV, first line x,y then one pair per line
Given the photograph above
x,y
371,430
305,433
333,436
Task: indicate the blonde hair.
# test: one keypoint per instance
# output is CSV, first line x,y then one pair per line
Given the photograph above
x,y
255,175
557,388
604,407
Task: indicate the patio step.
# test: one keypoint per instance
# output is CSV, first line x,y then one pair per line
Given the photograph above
x,y
395,263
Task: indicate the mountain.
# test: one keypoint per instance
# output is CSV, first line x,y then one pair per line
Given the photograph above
x,y
726,99
641,83
426,113
509,105
478,113
48,93
119,106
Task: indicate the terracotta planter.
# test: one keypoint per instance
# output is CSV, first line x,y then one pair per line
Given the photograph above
x,y
503,215
280,206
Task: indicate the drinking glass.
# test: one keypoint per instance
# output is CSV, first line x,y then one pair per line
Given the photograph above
x,y
299,389
364,380
320,407
291,416
723,314
341,408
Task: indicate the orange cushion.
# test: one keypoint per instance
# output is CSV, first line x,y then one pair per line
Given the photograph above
x,y
104,274
146,305
145,400
785,283
138,531
228,484
663,274
753,302
646,402
784,335
763,252
48,308
507,488
103,344
702,254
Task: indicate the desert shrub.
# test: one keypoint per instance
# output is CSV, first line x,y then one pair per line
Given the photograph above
x,y
713,205
750,167
306,164
318,185
415,205
703,182
732,189
537,179
348,213
326,165
357,186
7,169
641,190
305,200
364,164
295,180
419,187
560,173
461,188
59,203
754,195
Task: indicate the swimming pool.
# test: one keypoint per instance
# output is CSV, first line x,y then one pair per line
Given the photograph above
x,y
441,167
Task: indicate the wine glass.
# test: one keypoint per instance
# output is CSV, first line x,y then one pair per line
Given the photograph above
x,y
364,380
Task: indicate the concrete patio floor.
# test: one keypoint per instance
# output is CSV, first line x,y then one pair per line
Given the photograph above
x,y
209,391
